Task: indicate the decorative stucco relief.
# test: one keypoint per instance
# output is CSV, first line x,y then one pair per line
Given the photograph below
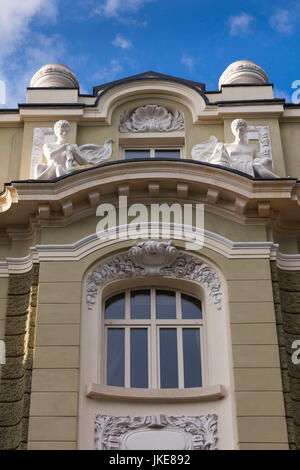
x,y
61,157
41,136
154,258
156,432
240,155
262,134
151,118
243,71
54,75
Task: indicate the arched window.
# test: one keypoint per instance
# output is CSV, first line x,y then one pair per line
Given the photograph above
x,y
153,338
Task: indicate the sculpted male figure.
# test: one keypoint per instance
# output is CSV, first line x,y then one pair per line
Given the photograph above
x,y
239,154
61,156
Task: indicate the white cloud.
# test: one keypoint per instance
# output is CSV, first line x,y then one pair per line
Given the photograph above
x,y
240,24
15,18
108,73
122,42
282,21
23,50
188,61
113,8
282,94
41,51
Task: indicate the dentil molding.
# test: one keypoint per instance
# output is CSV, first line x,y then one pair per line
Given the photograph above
x,y
156,432
153,258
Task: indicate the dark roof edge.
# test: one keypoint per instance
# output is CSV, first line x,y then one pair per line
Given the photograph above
x,y
9,110
52,105
236,85
52,88
259,101
292,105
144,76
197,90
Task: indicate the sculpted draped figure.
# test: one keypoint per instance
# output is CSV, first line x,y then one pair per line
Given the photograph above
x,y
239,155
62,157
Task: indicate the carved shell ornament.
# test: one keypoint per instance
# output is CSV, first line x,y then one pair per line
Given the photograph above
x,y
151,118
153,258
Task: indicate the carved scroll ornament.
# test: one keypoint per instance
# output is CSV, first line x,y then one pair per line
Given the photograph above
x,y
154,258
198,432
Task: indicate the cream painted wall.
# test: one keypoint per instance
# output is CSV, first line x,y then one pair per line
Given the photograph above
x,y
97,132
10,154
245,327
250,340
290,135
214,223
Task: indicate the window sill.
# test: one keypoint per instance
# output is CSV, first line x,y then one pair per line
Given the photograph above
x,y
212,392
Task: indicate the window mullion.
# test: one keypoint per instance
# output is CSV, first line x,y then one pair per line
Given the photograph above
x,y
203,359
153,358
104,368
127,357
180,358
178,306
149,357
127,305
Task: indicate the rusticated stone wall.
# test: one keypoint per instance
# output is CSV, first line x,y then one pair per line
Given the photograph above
x,y
286,290
15,387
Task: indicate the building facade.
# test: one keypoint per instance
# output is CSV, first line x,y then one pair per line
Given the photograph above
x,y
150,264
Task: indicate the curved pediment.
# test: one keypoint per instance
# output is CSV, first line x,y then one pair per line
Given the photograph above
x,y
187,93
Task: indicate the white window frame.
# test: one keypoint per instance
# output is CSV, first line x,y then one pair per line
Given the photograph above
x,y
153,325
152,149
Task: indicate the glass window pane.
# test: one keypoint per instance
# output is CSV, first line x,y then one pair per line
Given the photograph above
x,y
138,357
192,357
140,304
115,307
116,357
165,304
170,153
190,307
137,154
168,358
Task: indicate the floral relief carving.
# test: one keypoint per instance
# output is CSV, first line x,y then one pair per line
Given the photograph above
x,y
200,431
262,133
153,258
151,118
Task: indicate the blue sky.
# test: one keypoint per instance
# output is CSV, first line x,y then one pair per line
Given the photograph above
x,y
103,40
